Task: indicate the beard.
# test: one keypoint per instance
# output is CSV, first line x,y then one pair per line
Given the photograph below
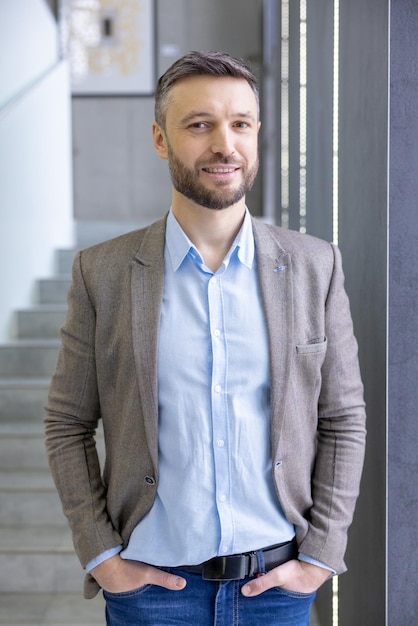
x,y
186,181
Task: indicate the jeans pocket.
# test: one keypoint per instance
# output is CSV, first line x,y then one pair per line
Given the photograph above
x,y
132,593
295,594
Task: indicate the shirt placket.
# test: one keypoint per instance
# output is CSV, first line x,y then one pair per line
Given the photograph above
x,y
219,410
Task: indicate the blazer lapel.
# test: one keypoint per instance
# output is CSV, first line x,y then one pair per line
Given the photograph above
x,y
146,296
275,274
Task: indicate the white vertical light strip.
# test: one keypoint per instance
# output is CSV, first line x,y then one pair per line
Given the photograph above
x,y
335,194
335,129
335,601
302,114
284,121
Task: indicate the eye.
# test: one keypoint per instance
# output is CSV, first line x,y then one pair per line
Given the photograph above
x,y
198,125
242,125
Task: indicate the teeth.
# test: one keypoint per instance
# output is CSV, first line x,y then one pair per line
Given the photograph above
x,y
219,170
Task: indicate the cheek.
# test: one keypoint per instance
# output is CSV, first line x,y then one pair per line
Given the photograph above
x,y
253,144
189,149
248,147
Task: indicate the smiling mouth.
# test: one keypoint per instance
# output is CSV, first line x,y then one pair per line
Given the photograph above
x,y
219,170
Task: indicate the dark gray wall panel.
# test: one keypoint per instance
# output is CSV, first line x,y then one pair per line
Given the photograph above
x,y
403,318
362,239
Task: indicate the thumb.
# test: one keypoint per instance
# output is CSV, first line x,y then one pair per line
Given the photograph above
x,y
170,581
256,586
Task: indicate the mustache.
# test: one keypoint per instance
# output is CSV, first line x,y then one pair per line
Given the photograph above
x,y
221,160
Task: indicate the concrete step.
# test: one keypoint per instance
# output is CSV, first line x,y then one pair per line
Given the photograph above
x,y
53,290
64,260
21,481
91,233
29,357
38,559
40,322
22,447
22,451
52,609
35,540
29,498
23,399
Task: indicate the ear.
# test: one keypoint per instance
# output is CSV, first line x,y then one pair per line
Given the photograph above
x,y
160,143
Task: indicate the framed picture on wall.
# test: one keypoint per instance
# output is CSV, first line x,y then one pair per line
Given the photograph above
x,y
110,45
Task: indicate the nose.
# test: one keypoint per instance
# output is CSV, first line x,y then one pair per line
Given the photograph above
x,y
223,141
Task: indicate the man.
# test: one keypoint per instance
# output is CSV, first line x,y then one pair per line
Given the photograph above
x,y
219,354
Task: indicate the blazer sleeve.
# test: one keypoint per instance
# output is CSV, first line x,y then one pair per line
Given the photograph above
x,y
341,432
73,413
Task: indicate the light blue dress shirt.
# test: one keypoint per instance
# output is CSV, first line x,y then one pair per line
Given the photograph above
x,y
215,494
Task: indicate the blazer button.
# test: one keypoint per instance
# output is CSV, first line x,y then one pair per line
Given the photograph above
x,y
150,480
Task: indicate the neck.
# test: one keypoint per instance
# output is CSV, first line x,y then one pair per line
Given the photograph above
x,y
211,231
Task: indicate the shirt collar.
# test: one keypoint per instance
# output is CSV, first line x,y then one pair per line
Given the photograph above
x,y
179,245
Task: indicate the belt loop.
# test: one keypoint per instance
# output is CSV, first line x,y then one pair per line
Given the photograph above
x,y
261,563
253,568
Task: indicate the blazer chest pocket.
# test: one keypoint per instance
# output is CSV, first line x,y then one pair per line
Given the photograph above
x,y
312,347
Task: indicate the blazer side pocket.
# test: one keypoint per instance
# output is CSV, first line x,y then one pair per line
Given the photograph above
x,y
309,348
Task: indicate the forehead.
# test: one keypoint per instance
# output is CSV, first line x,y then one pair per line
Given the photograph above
x,y
215,95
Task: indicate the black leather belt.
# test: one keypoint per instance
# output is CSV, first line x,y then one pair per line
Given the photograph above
x,y
239,566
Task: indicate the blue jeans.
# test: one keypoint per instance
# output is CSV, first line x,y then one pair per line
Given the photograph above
x,y
206,603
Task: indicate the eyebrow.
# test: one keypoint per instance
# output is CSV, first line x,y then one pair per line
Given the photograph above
x,y
204,114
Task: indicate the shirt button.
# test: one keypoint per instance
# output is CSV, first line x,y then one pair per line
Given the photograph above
x,y
224,548
218,388
217,332
221,443
222,498
213,281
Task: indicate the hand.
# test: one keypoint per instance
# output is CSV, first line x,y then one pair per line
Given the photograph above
x,y
118,575
294,575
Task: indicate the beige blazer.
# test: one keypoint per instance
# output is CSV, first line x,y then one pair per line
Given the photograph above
x,y
107,369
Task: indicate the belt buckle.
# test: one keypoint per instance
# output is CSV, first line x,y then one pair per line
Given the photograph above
x,y
225,568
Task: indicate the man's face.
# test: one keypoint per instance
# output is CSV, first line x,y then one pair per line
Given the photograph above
x,y
210,140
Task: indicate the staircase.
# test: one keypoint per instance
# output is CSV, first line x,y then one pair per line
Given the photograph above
x,y
41,579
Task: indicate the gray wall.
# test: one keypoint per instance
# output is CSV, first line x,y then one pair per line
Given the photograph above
x,y
35,154
117,176
363,237
402,521
379,241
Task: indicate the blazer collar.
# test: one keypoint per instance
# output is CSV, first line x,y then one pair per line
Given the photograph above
x,y
151,249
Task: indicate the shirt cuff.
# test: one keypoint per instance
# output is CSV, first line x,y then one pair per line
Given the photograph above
x,y
309,559
107,554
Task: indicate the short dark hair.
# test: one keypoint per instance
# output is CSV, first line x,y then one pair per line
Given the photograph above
x,y
194,63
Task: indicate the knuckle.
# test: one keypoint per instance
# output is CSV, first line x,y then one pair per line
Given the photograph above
x,y
167,580
260,584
